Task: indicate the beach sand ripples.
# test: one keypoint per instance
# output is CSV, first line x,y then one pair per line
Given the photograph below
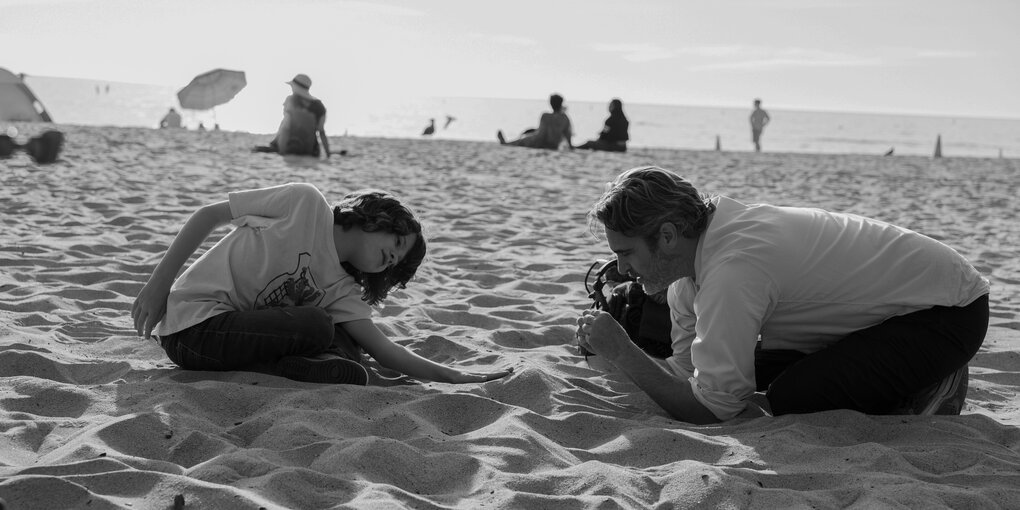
x,y
93,417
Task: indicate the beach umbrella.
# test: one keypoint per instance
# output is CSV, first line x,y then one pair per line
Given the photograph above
x,y
211,89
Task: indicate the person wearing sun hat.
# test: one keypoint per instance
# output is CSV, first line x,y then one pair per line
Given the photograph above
x,y
304,119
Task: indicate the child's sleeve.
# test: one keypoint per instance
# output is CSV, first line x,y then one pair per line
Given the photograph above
x,y
259,208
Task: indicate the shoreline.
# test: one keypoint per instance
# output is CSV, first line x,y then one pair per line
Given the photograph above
x,y
27,129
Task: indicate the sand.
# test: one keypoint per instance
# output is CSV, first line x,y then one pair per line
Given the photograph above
x,y
93,417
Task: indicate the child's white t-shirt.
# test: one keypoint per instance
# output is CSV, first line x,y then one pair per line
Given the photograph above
x,y
281,253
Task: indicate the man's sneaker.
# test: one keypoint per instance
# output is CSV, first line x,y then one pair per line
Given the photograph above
x,y
945,398
324,369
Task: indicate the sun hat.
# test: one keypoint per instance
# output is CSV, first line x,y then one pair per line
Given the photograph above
x,y
300,84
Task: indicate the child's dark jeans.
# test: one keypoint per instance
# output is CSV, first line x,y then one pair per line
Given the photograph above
x,y
238,340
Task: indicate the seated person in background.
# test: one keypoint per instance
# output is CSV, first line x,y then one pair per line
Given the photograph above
x,y
614,134
172,119
303,128
553,128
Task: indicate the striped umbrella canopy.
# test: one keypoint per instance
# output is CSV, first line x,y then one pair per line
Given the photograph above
x,y
211,89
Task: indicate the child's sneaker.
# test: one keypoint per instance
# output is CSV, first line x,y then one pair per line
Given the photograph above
x,y
324,369
945,398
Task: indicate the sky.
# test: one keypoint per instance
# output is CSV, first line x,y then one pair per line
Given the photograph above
x,y
936,57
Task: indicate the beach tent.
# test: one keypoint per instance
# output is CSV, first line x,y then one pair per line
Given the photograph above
x,y
17,102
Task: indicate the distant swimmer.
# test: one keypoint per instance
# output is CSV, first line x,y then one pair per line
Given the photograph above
x,y
430,129
449,119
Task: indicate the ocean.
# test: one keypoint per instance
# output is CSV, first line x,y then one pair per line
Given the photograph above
x,y
99,103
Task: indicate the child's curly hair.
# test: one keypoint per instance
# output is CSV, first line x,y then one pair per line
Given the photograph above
x,y
378,211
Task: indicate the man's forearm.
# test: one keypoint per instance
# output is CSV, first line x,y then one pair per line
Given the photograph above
x,y
672,393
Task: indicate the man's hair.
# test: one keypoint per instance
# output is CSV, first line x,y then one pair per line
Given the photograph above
x,y
643,199
378,211
556,101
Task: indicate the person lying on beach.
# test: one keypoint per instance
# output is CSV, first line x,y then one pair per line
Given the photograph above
x,y
851,312
553,129
613,137
289,290
303,128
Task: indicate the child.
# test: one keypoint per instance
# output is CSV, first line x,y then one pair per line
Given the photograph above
x,y
282,289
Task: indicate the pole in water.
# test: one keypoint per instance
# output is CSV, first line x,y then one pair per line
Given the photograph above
x,y
718,145
938,146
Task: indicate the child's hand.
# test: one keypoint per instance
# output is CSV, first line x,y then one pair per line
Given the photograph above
x,y
480,377
150,307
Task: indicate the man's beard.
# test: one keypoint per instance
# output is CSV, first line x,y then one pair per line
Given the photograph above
x,y
662,272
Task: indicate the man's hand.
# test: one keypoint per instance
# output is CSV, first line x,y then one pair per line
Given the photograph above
x,y
599,333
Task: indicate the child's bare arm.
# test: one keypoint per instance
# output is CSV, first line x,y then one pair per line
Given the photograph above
x,y
150,305
396,357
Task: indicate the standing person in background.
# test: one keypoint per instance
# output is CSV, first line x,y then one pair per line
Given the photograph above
x,y
759,119
303,128
172,119
553,128
614,135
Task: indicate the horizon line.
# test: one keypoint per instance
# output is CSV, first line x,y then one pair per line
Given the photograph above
x,y
781,107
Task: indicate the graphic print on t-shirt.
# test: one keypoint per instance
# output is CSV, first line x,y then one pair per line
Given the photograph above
x,y
296,288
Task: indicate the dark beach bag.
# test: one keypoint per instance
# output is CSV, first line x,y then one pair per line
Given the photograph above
x,y
645,319
46,147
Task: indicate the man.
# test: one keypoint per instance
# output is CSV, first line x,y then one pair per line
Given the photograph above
x,y
852,313
553,128
759,118
303,128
